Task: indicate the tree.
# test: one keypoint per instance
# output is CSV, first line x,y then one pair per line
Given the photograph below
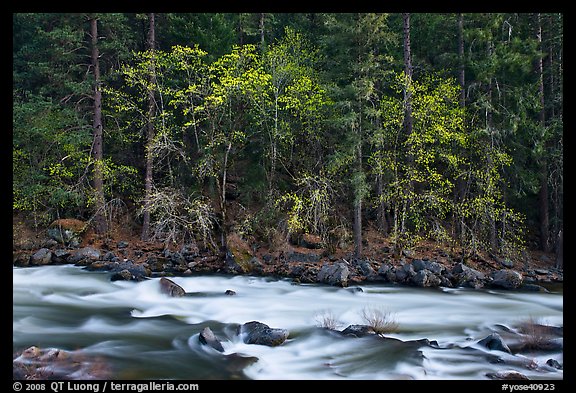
x,y
149,131
99,218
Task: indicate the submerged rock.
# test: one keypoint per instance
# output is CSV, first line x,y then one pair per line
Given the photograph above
x,y
255,332
35,363
170,288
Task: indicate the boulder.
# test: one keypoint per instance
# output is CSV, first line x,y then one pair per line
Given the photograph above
x,y
67,231
255,332
358,331
170,288
60,256
425,278
507,279
41,257
84,256
136,272
238,255
366,269
467,277
494,343
510,375
122,275
57,364
207,337
554,364
335,274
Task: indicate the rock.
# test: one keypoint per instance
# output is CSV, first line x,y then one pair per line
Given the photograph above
x,y
494,343
236,362
425,279
190,251
84,256
255,332
533,288
511,375
41,257
57,364
238,255
408,253
98,266
358,331
418,264
354,289
137,272
507,279
387,272
554,364
296,256
122,275
207,337
542,272
21,259
467,277
67,231
366,269
122,244
405,272
507,263
230,292
311,241
336,274
170,288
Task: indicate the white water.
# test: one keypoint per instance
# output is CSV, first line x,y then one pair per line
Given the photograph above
x,y
145,334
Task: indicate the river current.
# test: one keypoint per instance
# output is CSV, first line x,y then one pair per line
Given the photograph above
x,y
144,334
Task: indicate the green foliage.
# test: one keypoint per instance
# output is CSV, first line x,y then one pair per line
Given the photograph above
x,y
311,120
50,157
309,208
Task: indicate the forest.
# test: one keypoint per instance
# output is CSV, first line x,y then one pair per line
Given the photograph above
x,y
443,127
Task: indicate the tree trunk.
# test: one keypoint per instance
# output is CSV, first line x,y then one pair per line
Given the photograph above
x,y
408,72
99,217
149,135
543,193
383,225
407,202
560,251
358,206
223,196
461,74
490,127
262,41
459,190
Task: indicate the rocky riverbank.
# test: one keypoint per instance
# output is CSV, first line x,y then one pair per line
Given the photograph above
x,y
306,262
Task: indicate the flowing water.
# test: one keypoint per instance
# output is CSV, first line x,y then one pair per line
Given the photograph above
x,y
144,334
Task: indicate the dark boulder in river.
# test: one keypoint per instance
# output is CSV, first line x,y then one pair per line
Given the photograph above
x,y
255,332
507,279
170,288
494,342
207,337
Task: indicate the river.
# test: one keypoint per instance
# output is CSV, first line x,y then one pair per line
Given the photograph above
x,y
144,334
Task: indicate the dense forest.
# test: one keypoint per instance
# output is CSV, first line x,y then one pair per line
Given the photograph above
x,y
436,127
